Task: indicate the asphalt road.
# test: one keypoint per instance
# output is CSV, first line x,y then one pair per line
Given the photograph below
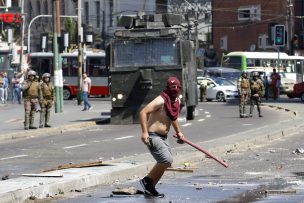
x,y
269,173
108,142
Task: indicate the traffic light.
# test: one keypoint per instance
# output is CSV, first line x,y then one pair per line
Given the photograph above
x,y
279,35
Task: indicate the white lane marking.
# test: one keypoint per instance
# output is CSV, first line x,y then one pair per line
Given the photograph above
x,y
200,120
121,138
201,109
206,112
208,116
74,146
13,157
15,120
187,124
247,124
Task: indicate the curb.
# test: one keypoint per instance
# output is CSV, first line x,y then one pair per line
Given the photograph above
x,y
46,131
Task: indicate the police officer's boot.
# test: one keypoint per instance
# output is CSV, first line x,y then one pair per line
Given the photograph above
x,y
47,118
26,120
241,112
42,116
260,115
251,110
244,112
32,117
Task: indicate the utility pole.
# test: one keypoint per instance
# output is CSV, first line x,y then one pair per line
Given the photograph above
x,y
80,52
56,59
22,36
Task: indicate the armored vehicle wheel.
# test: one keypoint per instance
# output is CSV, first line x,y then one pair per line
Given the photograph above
x,y
190,112
302,97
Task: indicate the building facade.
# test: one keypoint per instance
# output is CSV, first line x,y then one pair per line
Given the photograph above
x,y
247,25
98,16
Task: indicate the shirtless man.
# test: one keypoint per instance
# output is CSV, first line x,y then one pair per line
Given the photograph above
x,y
156,119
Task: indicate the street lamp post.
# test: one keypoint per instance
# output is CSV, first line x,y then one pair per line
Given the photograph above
x,y
80,52
32,21
58,80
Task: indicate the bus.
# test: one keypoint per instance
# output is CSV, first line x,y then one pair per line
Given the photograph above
x,y
292,66
94,66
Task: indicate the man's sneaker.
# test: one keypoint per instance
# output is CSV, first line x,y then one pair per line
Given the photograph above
x,y
90,108
40,126
26,128
260,115
146,183
83,109
47,126
32,127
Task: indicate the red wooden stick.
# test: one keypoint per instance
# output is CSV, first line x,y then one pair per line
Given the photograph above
x,y
201,149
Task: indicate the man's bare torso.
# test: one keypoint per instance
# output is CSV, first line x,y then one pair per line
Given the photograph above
x,y
158,120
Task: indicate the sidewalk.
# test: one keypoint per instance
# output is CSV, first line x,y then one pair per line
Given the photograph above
x,y
20,189
12,116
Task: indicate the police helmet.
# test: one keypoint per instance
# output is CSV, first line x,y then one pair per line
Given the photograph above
x,y
46,75
255,74
31,72
243,73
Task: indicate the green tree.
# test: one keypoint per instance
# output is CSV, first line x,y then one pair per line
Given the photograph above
x,y
70,26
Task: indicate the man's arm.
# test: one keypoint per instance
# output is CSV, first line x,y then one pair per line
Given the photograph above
x,y
154,105
89,86
177,128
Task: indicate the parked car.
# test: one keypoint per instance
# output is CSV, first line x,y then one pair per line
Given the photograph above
x,y
298,91
287,84
230,74
219,89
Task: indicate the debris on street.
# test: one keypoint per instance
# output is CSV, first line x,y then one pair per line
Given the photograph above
x,y
298,151
127,191
43,175
81,165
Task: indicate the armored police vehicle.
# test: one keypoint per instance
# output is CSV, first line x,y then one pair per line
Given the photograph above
x,y
142,57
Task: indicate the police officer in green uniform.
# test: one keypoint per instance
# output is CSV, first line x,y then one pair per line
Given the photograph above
x,y
257,91
244,93
31,93
47,100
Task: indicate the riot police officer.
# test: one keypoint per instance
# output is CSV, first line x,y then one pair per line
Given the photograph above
x,y
244,92
47,100
257,91
31,92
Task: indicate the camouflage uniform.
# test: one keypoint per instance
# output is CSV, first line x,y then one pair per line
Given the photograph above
x,y
257,91
203,90
46,101
31,92
244,93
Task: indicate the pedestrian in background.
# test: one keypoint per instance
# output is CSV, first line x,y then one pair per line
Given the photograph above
x,y
203,90
156,119
16,81
86,88
1,88
5,88
46,100
275,84
244,93
257,91
31,92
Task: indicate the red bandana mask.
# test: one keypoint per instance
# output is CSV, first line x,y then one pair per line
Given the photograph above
x,y
170,95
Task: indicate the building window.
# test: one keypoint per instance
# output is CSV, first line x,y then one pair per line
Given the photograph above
x,y
224,43
97,6
62,12
249,13
264,42
86,10
46,9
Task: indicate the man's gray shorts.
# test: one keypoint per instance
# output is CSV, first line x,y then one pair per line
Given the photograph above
x,y
159,148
